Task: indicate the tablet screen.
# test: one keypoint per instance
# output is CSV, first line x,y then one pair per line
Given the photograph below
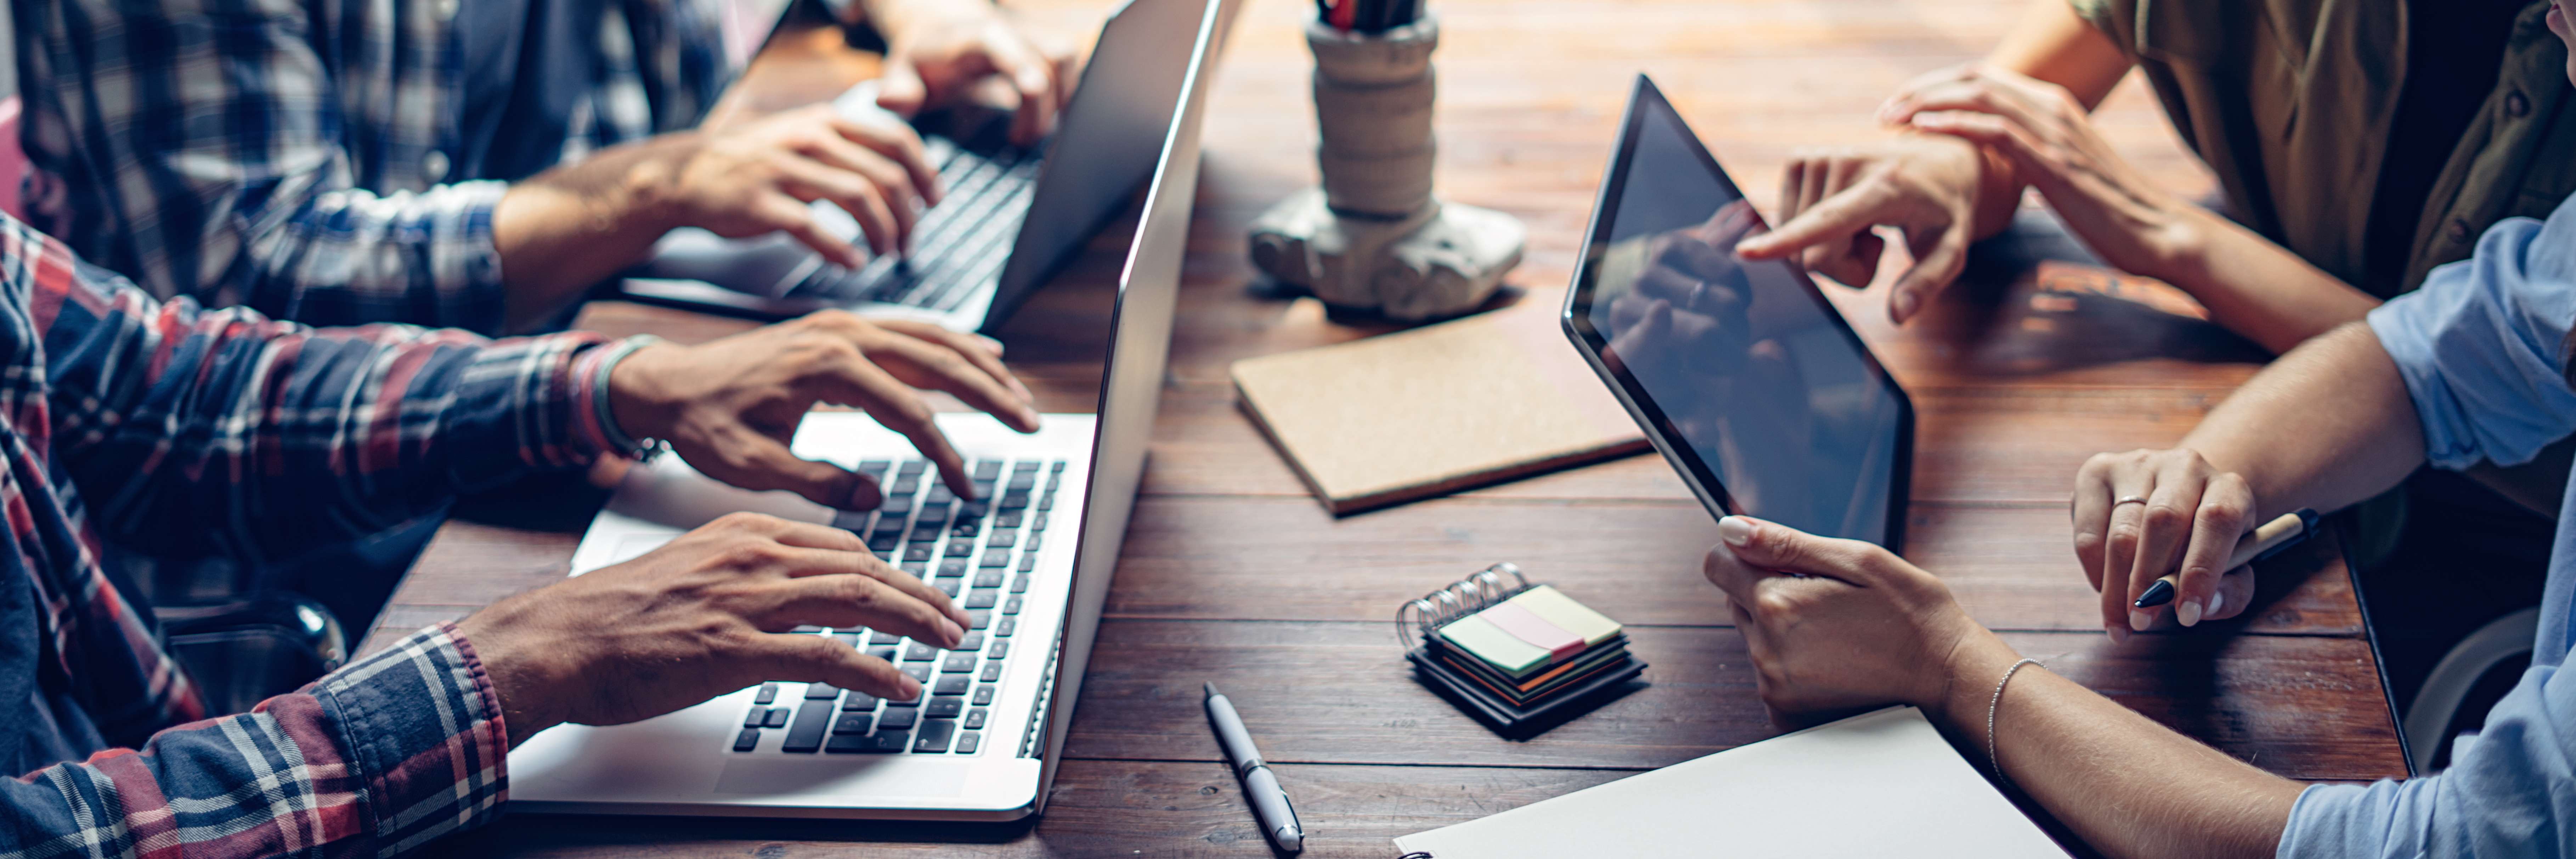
x,y
1758,389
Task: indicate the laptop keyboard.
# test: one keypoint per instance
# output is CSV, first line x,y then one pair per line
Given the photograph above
x,y
982,553
959,246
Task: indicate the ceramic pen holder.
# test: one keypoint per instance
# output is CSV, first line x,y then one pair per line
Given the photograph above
x,y
1374,238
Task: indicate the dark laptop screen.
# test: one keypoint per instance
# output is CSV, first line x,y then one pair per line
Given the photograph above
x,y
1758,389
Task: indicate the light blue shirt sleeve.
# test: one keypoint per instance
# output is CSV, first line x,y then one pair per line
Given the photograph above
x,y
2483,346
2512,795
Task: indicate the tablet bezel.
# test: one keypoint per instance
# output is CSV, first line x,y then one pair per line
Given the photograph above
x,y
1577,323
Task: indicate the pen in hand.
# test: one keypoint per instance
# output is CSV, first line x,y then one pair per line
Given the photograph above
x,y
2264,542
1269,804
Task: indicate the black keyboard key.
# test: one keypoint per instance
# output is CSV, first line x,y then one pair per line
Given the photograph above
x,y
945,708
885,542
927,532
950,586
1029,562
757,717
957,662
975,718
952,685
1012,605
1023,483
806,630
768,693
997,558
821,692
849,638
973,641
747,740
1036,542
912,468
952,567
965,528
860,744
1000,649
775,718
987,469
939,494
988,579
1013,501
917,570
973,509
858,702
983,696
966,743
852,521
918,672
853,723
934,736
1001,538
1037,522
918,552
897,506
979,620
898,718
992,672
903,490
1056,467
812,720
1047,501
1007,520
982,599
919,652
886,653
1024,468
1020,585
882,639
875,467
1006,627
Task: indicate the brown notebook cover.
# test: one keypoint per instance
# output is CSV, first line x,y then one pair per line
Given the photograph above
x,y
1433,410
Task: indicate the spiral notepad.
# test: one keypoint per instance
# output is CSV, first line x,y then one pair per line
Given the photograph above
x,y
1519,657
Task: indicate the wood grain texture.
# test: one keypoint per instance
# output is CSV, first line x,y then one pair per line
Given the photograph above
x,y
1233,574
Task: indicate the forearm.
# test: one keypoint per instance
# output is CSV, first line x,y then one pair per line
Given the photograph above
x,y
2325,426
563,230
2253,287
2127,786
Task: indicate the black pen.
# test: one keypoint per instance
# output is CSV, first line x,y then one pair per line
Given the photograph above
x,y
2271,539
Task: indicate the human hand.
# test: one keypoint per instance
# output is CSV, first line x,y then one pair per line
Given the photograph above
x,y
2140,513
1836,625
758,177
937,50
1689,299
2053,146
1927,186
699,617
730,407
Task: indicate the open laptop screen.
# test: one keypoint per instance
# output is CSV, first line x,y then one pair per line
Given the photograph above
x,y
1752,384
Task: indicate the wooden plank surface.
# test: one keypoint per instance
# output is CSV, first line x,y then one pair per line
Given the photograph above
x,y
1232,573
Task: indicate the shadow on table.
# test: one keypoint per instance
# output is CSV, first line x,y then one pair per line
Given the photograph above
x,y
527,834
2033,300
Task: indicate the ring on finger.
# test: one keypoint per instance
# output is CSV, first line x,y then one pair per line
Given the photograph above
x,y
2129,499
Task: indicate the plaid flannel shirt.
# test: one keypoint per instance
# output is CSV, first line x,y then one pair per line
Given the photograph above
x,y
293,156
127,421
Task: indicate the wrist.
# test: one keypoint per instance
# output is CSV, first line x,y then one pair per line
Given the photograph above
x,y
522,673
1999,188
637,402
1968,673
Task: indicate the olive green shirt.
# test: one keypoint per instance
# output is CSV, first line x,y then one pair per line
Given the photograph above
x,y
2290,101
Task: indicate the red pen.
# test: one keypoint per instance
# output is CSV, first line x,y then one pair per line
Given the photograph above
x,y
1343,10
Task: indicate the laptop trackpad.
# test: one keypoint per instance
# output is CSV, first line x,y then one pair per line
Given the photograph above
x,y
842,775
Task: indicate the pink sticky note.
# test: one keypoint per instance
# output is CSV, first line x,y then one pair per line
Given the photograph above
x,y
1529,627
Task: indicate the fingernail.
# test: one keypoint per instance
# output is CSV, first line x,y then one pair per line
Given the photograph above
x,y
2216,600
1901,306
2188,613
911,688
2138,620
2118,633
954,632
1735,530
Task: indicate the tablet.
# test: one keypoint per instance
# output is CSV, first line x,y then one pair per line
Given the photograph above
x,y
1740,372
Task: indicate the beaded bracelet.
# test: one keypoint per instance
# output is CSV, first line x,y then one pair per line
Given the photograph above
x,y
1997,703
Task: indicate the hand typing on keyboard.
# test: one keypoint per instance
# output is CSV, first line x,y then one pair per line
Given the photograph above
x,y
731,406
696,618
938,50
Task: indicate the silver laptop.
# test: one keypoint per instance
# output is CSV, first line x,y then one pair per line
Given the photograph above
x,y
1031,560
1012,216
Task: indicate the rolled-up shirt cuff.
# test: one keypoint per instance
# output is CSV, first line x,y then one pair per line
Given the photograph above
x,y
422,727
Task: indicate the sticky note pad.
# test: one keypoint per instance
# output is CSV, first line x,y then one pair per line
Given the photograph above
x,y
1561,610
1537,628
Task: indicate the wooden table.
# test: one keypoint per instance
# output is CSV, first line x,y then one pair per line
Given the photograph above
x,y
1232,573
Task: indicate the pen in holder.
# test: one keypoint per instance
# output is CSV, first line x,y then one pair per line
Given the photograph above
x,y
1374,238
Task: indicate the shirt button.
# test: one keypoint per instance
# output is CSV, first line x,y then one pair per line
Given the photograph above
x,y
2458,231
2516,105
434,165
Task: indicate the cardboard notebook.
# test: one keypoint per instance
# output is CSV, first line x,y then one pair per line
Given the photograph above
x,y
1434,410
